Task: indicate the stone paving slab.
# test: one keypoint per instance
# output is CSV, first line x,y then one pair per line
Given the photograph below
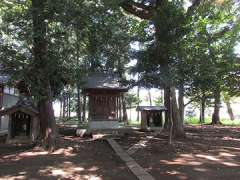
x,y
136,169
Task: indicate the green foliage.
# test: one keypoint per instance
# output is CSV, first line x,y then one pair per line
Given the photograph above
x,y
81,36
131,100
158,101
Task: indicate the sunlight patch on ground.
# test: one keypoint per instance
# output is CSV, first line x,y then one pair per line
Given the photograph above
x,y
223,158
68,171
17,157
142,143
65,151
200,169
208,157
226,154
184,159
13,177
180,175
230,164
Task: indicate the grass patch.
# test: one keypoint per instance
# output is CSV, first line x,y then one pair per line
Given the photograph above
x,y
225,122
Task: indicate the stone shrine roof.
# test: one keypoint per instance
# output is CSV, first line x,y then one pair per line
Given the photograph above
x,y
151,108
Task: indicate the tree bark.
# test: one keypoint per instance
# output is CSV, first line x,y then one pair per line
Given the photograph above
x,y
79,105
125,117
69,105
181,102
40,64
64,106
47,124
217,105
84,107
202,109
167,105
61,108
178,130
230,111
138,93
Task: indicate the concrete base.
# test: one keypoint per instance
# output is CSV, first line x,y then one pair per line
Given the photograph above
x,y
103,124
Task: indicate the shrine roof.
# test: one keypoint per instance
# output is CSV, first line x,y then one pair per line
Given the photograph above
x,y
151,108
25,106
4,79
104,81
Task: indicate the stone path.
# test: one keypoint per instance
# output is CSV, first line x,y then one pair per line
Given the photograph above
x,y
136,169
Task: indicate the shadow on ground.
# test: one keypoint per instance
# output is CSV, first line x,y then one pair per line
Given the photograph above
x,y
208,153
76,158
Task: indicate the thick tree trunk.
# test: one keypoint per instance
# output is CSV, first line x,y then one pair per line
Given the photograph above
x,y
230,111
178,129
217,105
181,102
202,109
40,64
47,124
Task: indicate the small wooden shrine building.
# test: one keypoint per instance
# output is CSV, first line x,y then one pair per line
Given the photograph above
x,y
151,116
104,93
23,126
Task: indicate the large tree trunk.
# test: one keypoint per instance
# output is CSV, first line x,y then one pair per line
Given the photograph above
x,y
217,105
47,124
202,109
230,111
40,64
181,102
178,130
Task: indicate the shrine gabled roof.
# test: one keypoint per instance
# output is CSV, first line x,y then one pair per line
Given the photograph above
x,y
151,108
21,106
104,81
4,79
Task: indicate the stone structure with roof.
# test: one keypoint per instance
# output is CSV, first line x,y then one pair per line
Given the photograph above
x,y
104,92
151,116
23,125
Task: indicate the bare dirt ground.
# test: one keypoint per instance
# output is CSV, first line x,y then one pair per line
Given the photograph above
x,y
75,158
207,153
